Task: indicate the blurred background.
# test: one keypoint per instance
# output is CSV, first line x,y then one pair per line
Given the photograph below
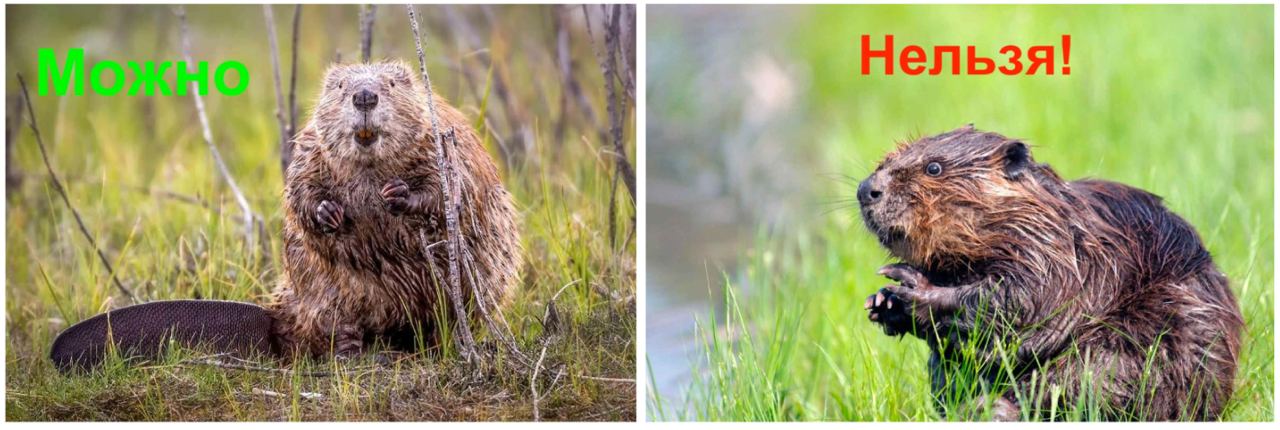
x,y
137,169
760,125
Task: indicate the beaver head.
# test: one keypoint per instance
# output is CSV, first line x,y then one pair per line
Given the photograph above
x,y
954,199
370,112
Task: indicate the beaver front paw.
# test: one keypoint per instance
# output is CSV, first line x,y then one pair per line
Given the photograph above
x,y
329,216
889,311
396,195
921,298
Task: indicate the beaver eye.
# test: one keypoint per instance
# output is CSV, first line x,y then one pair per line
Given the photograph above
x,y
933,169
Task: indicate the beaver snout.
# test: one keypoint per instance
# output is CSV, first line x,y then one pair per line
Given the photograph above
x,y
868,193
364,100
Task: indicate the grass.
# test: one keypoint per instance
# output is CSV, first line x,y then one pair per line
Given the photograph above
x,y
1175,100
138,171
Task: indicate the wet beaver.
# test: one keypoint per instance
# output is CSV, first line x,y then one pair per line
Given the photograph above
x,y
1052,288
363,204
363,238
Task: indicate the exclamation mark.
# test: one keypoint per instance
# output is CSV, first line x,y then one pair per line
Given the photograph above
x,y
1066,54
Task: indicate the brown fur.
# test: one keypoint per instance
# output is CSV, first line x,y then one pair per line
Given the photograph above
x,y
1080,282
356,265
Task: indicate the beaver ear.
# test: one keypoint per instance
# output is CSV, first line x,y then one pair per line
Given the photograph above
x,y
1017,159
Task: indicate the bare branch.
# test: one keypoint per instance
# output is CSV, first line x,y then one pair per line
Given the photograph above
x,y
628,50
293,85
12,125
607,63
215,360
275,68
208,134
367,13
453,234
57,185
533,383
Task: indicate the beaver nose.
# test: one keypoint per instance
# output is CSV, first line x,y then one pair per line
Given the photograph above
x,y
867,195
364,100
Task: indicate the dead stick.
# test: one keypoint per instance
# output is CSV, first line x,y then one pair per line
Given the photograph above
x,y
208,134
275,68
366,31
287,156
601,378
452,233
12,125
215,362
616,111
57,185
622,165
502,332
627,49
533,383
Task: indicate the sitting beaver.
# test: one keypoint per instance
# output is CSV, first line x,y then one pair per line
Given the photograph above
x,y
359,195
1053,288
363,237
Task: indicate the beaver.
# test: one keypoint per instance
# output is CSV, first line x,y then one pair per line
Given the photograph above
x,y
363,236
362,195
1047,291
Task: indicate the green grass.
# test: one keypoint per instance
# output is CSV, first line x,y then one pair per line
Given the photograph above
x,y
1175,100
122,158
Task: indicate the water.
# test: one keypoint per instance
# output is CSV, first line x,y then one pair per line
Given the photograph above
x,y
724,161
684,283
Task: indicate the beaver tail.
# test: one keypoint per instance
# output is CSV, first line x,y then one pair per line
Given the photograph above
x,y
145,331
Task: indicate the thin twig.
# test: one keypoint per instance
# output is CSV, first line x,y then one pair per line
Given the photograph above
x,y
208,134
606,61
547,340
57,185
616,111
483,299
275,68
13,125
608,66
602,378
366,31
213,360
533,383
627,50
453,235
293,87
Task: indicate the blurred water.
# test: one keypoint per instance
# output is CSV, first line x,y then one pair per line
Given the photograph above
x,y
702,239
724,107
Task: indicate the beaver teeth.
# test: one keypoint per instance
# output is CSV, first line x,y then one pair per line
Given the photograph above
x,y
365,135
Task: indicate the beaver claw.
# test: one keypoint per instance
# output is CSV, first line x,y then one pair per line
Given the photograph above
x,y
329,216
396,195
889,311
348,342
906,275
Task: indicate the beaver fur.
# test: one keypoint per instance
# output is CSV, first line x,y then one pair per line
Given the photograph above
x,y
1082,288
364,215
